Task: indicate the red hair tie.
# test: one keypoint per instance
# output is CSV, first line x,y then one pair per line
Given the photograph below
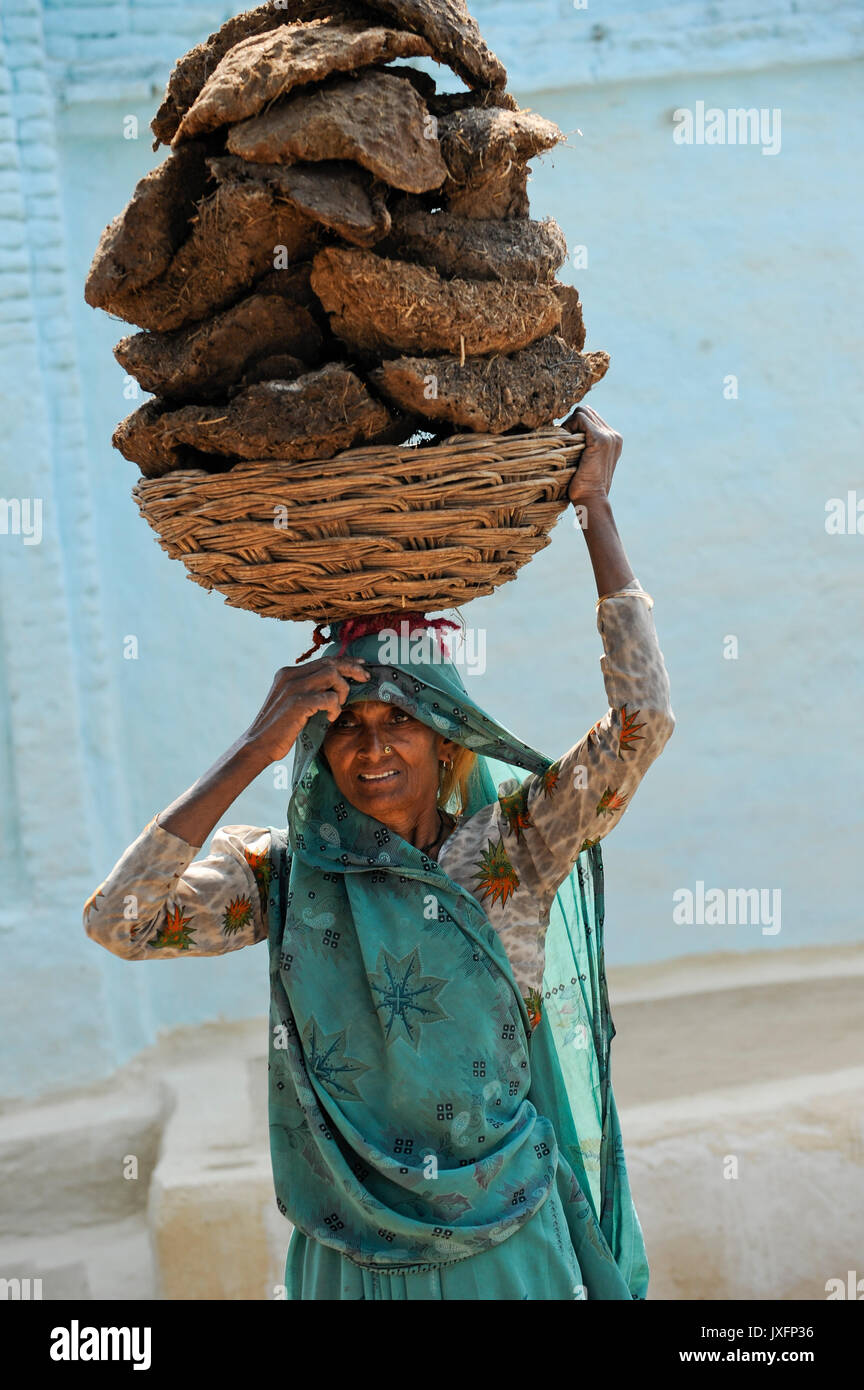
x,y
351,629
318,640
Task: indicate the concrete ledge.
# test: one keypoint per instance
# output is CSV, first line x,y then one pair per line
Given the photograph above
x,y
688,975
81,1162
210,1232
212,1193
113,1261
755,1194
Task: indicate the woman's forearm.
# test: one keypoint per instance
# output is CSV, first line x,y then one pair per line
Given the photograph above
x,y
194,814
612,569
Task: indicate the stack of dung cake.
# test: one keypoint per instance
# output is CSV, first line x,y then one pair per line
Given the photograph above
x,y
335,259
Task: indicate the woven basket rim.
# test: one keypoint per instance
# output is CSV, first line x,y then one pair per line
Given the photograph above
x,y
466,446
352,540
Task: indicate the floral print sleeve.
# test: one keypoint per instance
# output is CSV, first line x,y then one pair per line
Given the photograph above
x,y
584,794
157,903
515,853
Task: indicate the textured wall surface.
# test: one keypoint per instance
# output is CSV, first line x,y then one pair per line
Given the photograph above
x,y
702,263
101,49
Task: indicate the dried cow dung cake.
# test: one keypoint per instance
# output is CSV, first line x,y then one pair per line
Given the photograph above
x,y
529,388
486,151
294,283
314,416
471,139
138,439
337,194
499,191
477,249
376,120
231,244
139,245
192,70
278,368
448,103
261,69
379,304
453,33
424,85
572,328
202,362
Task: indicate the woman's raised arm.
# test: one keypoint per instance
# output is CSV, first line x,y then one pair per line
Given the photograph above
x,y
294,697
156,903
554,816
542,824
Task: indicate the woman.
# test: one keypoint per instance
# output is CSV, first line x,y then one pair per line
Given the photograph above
x,y
441,1116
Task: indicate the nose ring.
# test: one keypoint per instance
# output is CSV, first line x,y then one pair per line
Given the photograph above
x,y
387,748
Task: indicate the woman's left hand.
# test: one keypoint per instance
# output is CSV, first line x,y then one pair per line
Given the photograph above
x,y
603,446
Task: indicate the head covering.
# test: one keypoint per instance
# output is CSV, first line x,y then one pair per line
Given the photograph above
x,y
416,1115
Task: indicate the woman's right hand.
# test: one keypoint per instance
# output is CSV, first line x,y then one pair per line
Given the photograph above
x,y
599,458
295,695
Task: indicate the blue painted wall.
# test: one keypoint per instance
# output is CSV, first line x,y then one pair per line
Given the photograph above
x,y
703,262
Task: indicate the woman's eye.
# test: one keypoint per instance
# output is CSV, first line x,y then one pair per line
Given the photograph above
x,y
348,721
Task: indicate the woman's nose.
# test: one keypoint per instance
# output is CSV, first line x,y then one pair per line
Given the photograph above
x,y
372,741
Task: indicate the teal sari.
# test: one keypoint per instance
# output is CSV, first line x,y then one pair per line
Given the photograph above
x,y
418,1122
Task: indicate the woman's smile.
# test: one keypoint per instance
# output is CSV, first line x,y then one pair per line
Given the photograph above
x,y
377,778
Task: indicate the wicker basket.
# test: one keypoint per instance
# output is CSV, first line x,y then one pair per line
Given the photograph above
x,y
370,530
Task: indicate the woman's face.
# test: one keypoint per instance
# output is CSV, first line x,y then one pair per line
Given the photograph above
x,y
404,781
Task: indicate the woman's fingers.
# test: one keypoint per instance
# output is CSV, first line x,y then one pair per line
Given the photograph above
x,y
328,700
312,700
326,683
352,667
338,672
330,679
327,673
598,420
603,447
603,432
299,692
